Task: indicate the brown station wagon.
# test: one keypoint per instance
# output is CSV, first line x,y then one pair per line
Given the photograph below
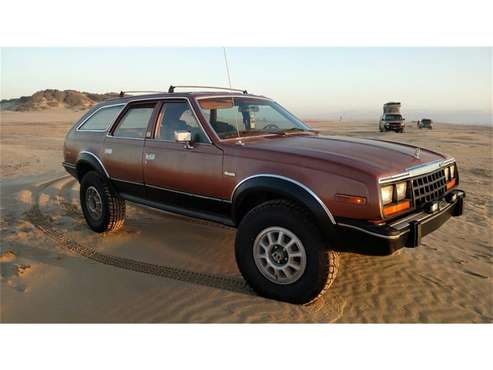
x,y
296,197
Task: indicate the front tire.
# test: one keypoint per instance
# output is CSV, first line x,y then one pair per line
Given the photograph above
x,y
282,255
103,209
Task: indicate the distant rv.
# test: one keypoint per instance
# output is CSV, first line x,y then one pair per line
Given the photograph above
x,y
391,119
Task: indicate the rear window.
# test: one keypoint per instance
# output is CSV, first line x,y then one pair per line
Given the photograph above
x,y
102,119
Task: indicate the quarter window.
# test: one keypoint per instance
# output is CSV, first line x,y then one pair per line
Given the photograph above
x,y
102,119
134,122
178,116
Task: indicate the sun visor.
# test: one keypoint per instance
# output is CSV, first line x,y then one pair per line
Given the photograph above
x,y
216,103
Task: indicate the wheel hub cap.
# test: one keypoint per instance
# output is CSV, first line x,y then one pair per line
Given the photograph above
x,y
279,255
94,204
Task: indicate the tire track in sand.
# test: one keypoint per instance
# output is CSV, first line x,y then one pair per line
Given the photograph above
x,y
43,223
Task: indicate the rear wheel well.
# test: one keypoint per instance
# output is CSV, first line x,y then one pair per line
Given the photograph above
x,y
82,168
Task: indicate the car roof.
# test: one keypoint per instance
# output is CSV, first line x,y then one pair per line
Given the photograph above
x,y
195,94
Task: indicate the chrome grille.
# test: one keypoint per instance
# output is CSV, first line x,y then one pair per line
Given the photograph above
x,y
429,187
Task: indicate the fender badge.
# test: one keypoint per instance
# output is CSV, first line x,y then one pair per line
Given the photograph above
x,y
231,174
417,153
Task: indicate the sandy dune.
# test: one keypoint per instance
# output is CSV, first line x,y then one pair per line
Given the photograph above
x,y
165,268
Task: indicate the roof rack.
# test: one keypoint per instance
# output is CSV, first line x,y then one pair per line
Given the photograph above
x,y
122,93
172,88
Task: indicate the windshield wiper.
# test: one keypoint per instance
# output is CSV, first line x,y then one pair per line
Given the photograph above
x,y
247,133
289,130
293,129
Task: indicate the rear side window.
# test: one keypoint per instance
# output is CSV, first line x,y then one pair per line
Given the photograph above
x,y
134,122
102,119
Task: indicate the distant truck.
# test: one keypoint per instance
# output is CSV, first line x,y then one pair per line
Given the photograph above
x,y
425,123
391,119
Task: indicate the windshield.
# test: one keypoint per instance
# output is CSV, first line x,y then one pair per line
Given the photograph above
x,y
393,117
242,117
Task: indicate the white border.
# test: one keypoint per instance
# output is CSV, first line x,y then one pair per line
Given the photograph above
x,y
229,347
256,23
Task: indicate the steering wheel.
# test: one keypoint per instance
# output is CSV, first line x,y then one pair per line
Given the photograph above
x,y
271,126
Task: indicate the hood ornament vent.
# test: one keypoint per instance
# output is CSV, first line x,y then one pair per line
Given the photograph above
x,y
417,153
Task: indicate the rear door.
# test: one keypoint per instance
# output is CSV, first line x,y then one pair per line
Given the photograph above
x,y
123,148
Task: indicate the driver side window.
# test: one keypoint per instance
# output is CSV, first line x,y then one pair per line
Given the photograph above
x,y
178,116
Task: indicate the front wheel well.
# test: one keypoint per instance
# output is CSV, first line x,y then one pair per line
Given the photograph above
x,y
256,198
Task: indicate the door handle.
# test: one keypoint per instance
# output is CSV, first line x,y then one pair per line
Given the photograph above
x,y
108,150
150,156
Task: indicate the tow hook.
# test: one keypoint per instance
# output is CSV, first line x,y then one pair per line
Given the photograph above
x,y
432,207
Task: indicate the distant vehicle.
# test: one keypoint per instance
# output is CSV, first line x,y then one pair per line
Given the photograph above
x,y
391,119
425,123
296,197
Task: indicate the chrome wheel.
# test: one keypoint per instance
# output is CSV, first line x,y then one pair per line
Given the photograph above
x,y
279,255
94,203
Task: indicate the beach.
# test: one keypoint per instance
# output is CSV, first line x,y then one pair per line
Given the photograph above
x,y
171,269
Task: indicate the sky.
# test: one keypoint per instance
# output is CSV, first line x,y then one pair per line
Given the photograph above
x,y
448,84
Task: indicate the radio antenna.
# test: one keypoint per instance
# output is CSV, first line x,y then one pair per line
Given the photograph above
x,y
232,99
227,66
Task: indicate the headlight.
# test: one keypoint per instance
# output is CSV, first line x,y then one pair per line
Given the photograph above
x,y
387,192
447,174
452,171
401,190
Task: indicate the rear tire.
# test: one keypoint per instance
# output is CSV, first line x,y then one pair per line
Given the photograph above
x,y
103,209
310,267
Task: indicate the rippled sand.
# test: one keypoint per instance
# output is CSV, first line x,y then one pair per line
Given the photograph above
x,y
164,268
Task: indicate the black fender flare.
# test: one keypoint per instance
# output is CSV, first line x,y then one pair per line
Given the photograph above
x,y
289,189
87,158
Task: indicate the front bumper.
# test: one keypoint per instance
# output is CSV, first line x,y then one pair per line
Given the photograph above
x,y
394,125
363,237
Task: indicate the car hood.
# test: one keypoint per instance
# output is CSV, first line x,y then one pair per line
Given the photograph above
x,y
376,157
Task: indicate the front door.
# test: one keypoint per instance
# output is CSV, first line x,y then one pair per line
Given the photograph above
x,y
123,148
179,175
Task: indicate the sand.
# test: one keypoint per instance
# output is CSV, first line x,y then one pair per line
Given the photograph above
x,y
166,268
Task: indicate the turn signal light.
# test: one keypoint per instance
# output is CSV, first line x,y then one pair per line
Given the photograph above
x,y
351,199
396,208
450,184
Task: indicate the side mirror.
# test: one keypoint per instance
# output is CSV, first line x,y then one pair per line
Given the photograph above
x,y
184,137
